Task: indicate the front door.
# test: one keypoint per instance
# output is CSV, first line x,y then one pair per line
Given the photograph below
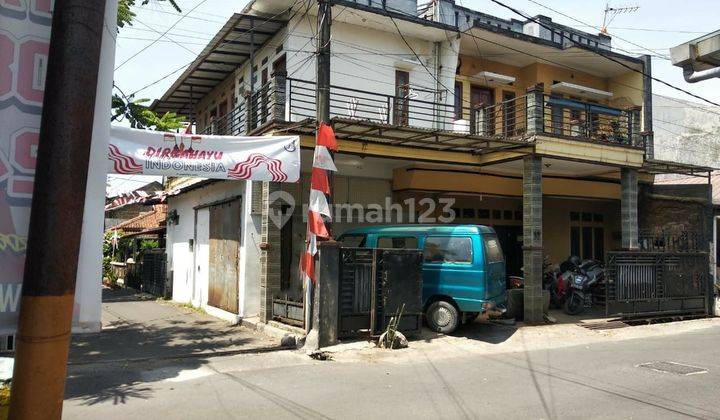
x,y
224,253
480,98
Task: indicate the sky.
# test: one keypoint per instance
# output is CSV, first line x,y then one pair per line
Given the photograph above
x,y
657,25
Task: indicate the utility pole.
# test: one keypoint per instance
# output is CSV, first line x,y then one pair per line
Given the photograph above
x,y
323,62
56,217
322,88
317,333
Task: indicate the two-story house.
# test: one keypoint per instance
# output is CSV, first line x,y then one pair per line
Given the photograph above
x,y
537,129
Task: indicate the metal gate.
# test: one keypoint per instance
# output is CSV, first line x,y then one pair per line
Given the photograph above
x,y
374,283
657,283
154,280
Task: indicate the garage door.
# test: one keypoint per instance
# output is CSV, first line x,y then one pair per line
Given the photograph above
x,y
224,253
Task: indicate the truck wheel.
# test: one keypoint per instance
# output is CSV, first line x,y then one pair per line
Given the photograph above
x,y
442,317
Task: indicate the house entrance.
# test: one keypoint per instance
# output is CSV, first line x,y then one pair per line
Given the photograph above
x,y
224,245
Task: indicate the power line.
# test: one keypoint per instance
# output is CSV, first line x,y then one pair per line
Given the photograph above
x,y
694,130
163,34
594,27
674,31
164,41
219,45
670,85
193,17
520,52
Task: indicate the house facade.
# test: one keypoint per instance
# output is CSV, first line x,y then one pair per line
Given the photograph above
x,y
537,129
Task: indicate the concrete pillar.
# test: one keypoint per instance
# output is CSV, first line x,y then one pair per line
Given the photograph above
x,y
647,108
278,96
269,252
535,104
629,208
532,239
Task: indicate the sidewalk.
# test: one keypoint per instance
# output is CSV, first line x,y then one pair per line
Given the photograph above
x,y
139,327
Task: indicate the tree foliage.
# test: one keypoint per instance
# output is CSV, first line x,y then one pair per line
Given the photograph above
x,y
140,116
125,13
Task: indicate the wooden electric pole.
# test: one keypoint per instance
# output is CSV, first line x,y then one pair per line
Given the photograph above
x,y
322,89
48,292
323,61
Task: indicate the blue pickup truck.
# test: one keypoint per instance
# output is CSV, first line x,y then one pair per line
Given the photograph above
x,y
463,268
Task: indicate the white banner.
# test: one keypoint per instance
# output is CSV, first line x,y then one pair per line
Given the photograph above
x,y
24,43
145,152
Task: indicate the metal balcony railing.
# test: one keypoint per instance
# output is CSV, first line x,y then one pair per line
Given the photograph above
x,y
410,109
293,100
255,111
589,121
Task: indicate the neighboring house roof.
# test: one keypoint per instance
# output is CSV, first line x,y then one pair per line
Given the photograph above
x,y
690,180
151,191
146,222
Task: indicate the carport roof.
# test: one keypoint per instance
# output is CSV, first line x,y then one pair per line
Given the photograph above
x,y
241,36
690,180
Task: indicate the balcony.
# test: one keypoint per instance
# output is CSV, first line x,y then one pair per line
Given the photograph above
x,y
413,120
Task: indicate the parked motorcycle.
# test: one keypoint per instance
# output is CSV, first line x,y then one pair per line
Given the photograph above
x,y
582,278
555,283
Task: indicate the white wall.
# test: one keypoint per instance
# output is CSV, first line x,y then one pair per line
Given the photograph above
x,y
88,291
357,64
189,266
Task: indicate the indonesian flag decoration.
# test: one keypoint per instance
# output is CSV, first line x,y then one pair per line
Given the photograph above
x,y
319,180
318,205
326,137
323,159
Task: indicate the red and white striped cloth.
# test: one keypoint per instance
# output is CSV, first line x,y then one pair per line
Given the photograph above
x,y
318,205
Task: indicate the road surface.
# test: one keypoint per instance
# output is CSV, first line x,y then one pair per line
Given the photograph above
x,y
597,380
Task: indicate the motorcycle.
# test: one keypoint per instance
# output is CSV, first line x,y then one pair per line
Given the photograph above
x,y
554,282
582,278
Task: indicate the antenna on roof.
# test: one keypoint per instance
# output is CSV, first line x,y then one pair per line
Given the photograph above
x,y
611,12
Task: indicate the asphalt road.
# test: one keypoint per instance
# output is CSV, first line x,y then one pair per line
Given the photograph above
x,y
601,380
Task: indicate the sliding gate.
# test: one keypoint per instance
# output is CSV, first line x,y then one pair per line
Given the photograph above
x,y
643,283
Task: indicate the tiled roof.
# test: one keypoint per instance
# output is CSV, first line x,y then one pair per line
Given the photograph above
x,y
687,180
150,220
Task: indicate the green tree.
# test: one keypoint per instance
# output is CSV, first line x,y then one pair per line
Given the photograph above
x,y
125,14
140,116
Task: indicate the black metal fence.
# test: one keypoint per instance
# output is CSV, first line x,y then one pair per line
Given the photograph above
x,y
154,278
657,283
685,241
374,284
289,311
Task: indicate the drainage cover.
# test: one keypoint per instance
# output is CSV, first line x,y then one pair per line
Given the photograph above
x,y
672,367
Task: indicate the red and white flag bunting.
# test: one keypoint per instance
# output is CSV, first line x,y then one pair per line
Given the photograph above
x,y
318,205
